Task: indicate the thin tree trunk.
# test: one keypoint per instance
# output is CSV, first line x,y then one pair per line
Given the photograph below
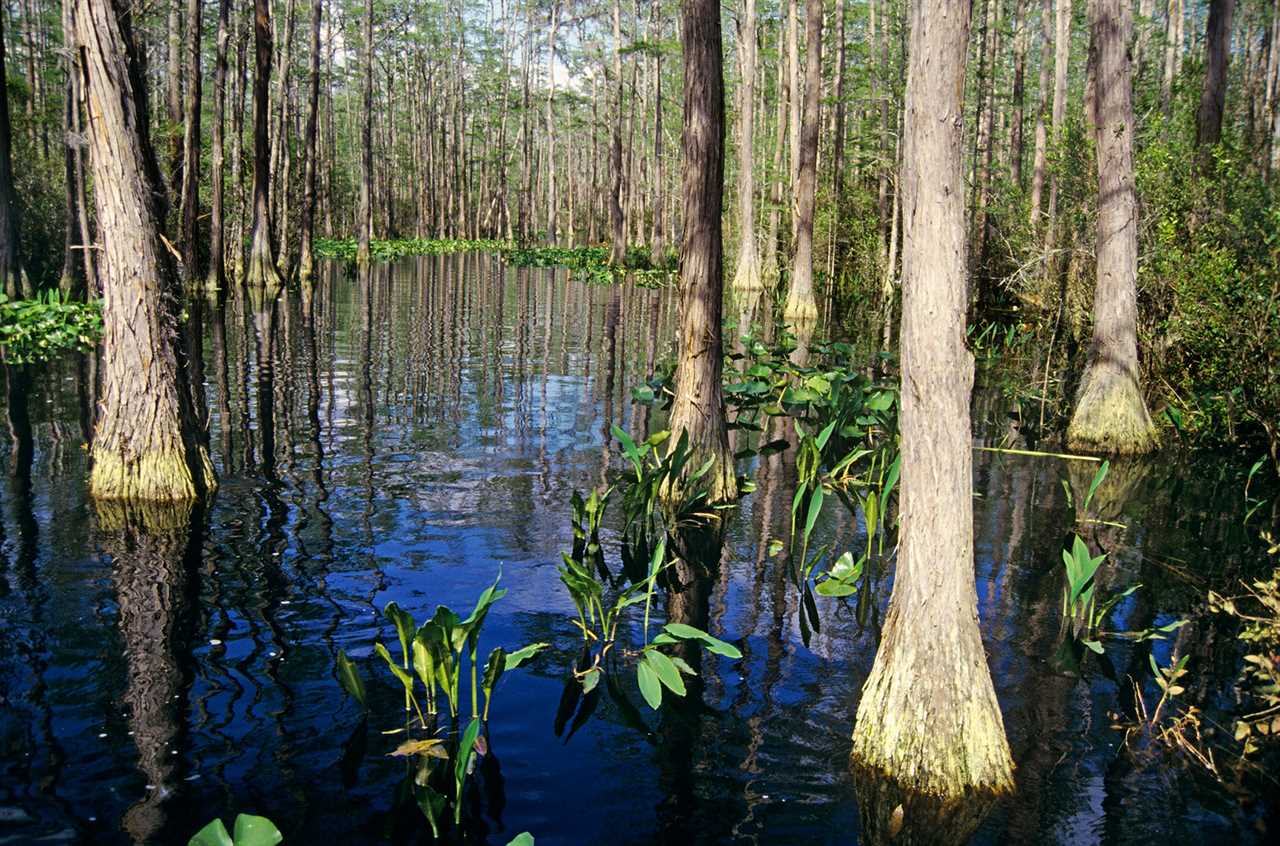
x,y
1111,415
1062,58
837,120
770,271
1040,158
364,219
1017,143
217,279
189,208
262,273
746,279
1173,33
929,749
617,225
658,243
552,199
13,278
173,96
305,258
793,100
146,445
698,409
1217,54
71,282
801,307
280,156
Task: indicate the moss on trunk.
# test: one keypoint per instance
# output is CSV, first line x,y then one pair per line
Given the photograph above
x,y
1111,416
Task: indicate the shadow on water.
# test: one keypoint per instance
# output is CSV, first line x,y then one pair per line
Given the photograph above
x,y
404,433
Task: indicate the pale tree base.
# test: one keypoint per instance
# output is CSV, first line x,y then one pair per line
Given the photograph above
x,y
928,739
800,310
747,279
262,274
159,476
1111,417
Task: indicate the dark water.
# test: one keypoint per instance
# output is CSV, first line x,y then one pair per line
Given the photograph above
x,y
425,431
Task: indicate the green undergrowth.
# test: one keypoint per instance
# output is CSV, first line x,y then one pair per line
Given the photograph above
x,y
33,331
591,264
344,249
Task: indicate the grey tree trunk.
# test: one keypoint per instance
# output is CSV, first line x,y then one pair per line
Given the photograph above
x,y
261,273
801,307
617,225
1111,415
217,279
13,279
146,445
746,279
1040,159
929,740
189,208
364,217
306,258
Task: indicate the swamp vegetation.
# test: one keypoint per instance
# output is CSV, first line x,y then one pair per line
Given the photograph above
x,y
489,421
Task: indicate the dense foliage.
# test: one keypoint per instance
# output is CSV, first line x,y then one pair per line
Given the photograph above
x,y
33,331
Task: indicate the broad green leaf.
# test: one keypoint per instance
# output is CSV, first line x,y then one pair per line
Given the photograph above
x,y
256,831
213,834
1097,480
405,678
524,653
684,631
349,678
666,671
650,687
465,747
493,670
524,838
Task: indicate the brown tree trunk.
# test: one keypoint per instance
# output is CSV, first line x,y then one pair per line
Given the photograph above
x,y
280,156
1016,136
1061,60
1040,158
173,97
13,279
658,243
306,259
262,272
146,445
929,750
553,199
190,205
698,410
801,307
617,225
217,279
770,271
746,279
793,99
364,218
1111,415
69,284
1217,54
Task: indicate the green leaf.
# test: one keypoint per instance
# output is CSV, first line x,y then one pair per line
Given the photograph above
x,y
256,831
213,834
493,670
524,838
405,627
524,653
349,678
650,687
1097,480
465,746
684,631
1094,645
405,678
666,671
432,804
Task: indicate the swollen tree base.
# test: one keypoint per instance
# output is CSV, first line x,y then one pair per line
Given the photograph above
x,y
800,309
929,737
155,476
1111,416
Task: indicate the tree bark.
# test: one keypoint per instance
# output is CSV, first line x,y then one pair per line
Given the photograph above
x,y
1173,34
13,279
364,219
698,410
793,98
746,279
1111,415
262,273
658,243
617,226
1217,54
306,259
929,738
146,445
801,307
1040,159
1016,135
173,96
217,278
190,204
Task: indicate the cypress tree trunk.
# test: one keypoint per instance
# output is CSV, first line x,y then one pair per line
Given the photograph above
x,y
658,244
929,736
770,271
698,410
1173,34
173,97
217,278
13,279
261,272
1111,415
70,282
1040,157
1217,53
364,219
746,279
306,258
190,204
146,445
1016,135
617,225
801,307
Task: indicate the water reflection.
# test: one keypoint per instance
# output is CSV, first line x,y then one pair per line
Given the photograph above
x,y
402,435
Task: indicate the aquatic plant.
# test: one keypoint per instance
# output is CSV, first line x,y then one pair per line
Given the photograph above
x,y
438,654
248,831
591,264
344,249
36,330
